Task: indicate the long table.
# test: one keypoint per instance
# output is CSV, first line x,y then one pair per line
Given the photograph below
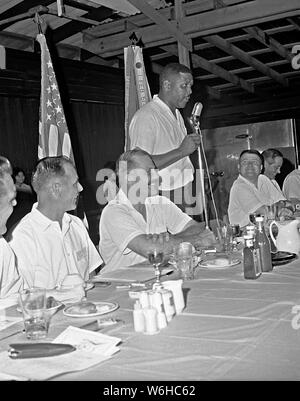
x,y
230,329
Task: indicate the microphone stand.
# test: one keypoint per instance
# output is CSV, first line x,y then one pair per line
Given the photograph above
x,y
201,172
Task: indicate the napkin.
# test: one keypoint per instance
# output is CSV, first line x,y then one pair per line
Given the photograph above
x,y
92,348
131,274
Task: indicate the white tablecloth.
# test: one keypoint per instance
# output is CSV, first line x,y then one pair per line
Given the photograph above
x,y
231,329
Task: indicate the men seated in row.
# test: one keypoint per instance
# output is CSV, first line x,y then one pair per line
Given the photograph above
x,y
252,191
49,243
138,219
291,185
10,281
273,160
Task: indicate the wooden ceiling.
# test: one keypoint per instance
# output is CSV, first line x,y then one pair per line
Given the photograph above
x,y
243,53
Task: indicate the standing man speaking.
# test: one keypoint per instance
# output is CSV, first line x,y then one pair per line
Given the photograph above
x,y
158,128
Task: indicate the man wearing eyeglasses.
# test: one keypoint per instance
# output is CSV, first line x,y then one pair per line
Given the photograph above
x,y
252,191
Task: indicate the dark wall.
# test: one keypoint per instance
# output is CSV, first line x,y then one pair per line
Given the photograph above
x,y
93,104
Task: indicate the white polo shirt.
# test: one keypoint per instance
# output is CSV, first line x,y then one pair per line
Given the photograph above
x,y
46,253
245,198
155,129
10,281
120,223
291,185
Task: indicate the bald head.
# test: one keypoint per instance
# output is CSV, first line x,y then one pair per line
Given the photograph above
x,y
7,199
5,165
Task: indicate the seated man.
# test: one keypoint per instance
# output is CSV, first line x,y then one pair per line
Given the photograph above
x,y
131,223
273,160
252,191
291,185
48,242
5,165
10,281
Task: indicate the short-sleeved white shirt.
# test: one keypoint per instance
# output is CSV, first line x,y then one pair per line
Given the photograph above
x,y
120,223
291,185
10,281
245,198
46,253
155,129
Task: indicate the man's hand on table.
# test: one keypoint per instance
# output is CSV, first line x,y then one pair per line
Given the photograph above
x,y
206,238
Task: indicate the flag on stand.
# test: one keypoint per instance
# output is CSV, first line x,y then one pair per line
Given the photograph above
x,y
137,91
54,138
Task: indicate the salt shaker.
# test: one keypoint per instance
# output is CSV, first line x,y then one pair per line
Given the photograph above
x,y
156,302
168,301
138,317
176,287
150,320
144,299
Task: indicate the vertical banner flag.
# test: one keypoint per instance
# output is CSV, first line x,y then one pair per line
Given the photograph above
x,y
54,138
137,91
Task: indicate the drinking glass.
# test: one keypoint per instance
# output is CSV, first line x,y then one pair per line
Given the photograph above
x,y
156,257
35,316
184,260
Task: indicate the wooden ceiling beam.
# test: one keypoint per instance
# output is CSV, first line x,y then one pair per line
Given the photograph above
x,y
141,20
268,41
239,54
206,23
27,43
198,61
162,22
294,23
71,28
84,5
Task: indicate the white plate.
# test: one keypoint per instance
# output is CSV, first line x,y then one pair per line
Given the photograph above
x,y
102,309
219,263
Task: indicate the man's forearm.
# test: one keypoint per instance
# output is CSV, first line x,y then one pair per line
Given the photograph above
x,y
165,159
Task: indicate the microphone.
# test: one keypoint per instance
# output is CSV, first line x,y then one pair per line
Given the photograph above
x,y
196,112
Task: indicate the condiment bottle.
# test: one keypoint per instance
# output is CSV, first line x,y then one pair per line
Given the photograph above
x,y
264,246
156,302
151,326
168,301
138,317
252,262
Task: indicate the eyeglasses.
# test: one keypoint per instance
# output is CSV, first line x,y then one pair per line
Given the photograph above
x,y
252,162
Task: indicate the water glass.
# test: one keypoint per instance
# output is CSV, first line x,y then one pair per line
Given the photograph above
x,y
184,260
35,315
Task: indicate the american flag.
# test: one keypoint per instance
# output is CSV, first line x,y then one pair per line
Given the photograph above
x,y
54,138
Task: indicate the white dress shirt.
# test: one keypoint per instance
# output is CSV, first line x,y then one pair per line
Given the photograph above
x,y
155,129
245,198
120,223
46,253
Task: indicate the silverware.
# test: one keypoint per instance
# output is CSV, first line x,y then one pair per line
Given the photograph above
x,y
12,334
100,324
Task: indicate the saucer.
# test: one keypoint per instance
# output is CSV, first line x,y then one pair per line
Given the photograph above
x,y
102,309
219,263
281,258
